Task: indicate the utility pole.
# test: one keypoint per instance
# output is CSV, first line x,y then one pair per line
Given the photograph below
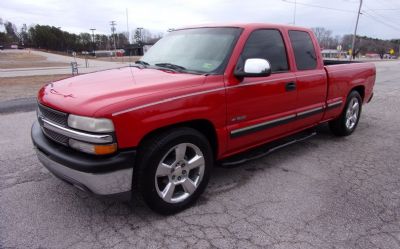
x,y
355,31
140,40
112,23
127,26
398,54
141,37
23,32
94,44
294,13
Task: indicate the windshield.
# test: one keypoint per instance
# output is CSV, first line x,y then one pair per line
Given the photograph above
x,y
202,50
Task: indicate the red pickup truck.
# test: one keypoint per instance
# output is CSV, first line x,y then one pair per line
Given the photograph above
x,y
199,95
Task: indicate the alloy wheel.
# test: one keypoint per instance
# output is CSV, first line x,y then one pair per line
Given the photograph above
x,y
179,172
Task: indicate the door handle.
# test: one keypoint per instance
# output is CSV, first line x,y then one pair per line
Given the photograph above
x,y
290,86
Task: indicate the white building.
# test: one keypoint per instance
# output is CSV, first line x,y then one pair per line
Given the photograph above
x,y
333,53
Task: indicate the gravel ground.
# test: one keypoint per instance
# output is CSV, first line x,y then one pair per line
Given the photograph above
x,y
325,192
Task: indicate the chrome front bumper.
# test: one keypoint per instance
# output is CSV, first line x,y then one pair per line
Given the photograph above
x,y
108,183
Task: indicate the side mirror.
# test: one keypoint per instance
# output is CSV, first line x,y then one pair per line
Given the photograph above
x,y
255,67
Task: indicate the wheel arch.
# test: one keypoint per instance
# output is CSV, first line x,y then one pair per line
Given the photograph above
x,y
360,89
203,126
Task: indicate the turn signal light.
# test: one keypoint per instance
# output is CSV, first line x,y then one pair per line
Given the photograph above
x,y
96,149
105,149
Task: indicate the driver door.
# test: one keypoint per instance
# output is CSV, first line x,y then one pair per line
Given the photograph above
x,y
262,108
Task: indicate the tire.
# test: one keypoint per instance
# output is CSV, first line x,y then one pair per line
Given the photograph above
x,y
347,122
173,169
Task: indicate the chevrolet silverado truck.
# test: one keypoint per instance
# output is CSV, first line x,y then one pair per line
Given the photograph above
x,y
199,95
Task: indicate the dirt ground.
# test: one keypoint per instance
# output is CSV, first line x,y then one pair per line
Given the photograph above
x,y
25,59
25,86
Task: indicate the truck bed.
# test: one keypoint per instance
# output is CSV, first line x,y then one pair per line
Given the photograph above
x,y
345,75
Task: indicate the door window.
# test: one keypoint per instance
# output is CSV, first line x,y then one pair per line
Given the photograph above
x,y
304,50
266,44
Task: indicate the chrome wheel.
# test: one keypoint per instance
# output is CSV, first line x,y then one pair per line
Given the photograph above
x,y
352,113
179,172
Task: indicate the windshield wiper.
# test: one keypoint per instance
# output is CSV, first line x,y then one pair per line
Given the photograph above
x,y
142,63
171,66
139,64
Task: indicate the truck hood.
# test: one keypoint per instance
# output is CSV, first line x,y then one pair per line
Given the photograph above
x,y
86,94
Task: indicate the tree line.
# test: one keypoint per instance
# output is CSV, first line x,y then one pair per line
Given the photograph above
x,y
53,38
363,44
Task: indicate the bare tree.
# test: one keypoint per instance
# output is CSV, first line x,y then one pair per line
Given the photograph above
x,y
11,30
325,38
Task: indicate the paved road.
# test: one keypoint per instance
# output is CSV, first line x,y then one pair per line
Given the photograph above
x,y
326,192
94,65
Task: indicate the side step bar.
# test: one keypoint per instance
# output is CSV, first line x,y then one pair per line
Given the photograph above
x,y
266,149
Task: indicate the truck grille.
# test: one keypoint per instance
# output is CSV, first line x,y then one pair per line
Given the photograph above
x,y
57,117
55,136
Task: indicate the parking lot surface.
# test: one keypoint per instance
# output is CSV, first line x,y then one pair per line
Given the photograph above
x,y
325,192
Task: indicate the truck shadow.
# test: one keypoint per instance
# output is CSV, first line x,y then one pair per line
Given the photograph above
x,y
223,179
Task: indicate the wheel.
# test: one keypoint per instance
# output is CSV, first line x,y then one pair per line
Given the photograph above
x,y
347,122
173,169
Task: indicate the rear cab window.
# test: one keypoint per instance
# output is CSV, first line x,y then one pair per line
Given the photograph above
x,y
304,50
266,44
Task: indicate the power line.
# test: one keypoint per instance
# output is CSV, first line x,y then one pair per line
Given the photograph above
x,y
380,21
319,6
393,4
367,14
383,17
392,19
386,9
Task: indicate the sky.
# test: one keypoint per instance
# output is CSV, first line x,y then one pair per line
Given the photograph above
x,y
379,19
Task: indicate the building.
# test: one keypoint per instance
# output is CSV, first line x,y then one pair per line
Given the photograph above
x,y
333,54
137,49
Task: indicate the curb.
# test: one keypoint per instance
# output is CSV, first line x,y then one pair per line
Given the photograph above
x,y
18,105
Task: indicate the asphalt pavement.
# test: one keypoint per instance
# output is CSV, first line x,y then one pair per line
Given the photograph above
x,y
325,192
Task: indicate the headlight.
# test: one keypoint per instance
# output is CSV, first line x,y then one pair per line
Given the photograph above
x,y
96,149
90,124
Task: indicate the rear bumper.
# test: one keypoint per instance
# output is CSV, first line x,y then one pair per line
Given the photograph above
x,y
111,175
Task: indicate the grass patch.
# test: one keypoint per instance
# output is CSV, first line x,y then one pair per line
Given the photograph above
x,y
25,59
25,86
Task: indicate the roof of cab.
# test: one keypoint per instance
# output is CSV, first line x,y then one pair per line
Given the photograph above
x,y
244,26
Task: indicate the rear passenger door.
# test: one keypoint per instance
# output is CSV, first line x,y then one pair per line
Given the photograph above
x,y
262,108
311,79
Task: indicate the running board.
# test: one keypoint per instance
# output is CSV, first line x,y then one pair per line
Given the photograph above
x,y
264,150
